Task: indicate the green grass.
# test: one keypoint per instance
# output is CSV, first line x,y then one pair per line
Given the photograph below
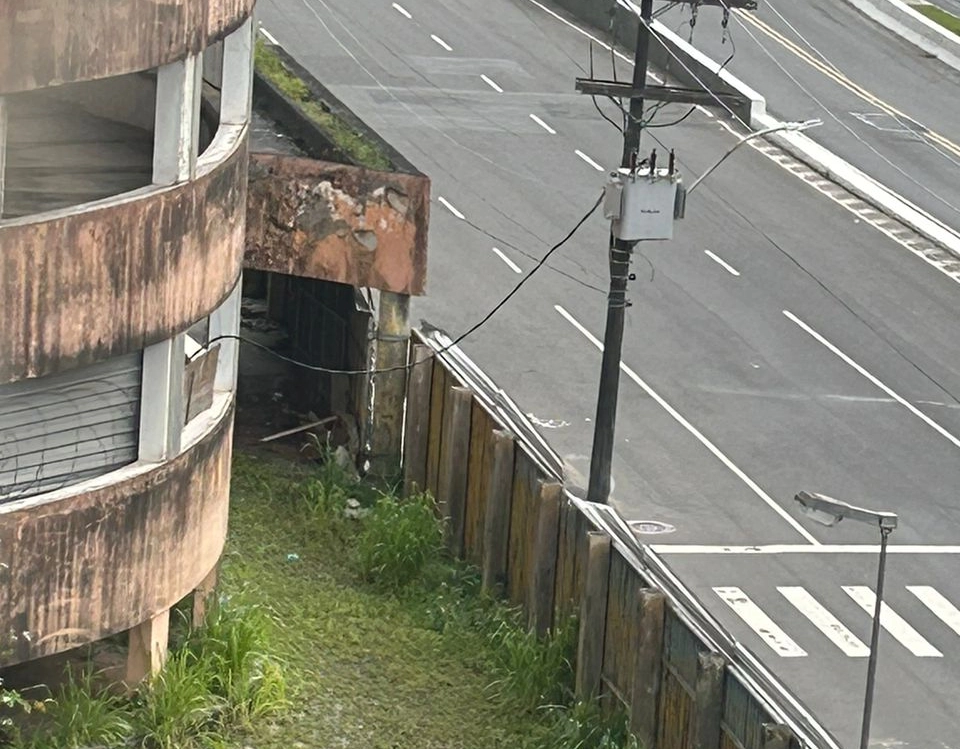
x,y
362,151
947,20
389,644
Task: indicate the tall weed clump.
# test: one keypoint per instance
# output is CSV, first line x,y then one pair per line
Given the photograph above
x,y
399,540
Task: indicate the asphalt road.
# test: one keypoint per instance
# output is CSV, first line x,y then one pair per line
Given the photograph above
x,y
885,105
808,350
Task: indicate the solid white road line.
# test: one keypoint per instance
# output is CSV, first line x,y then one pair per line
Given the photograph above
x,y
543,124
590,161
443,201
512,265
938,604
763,625
491,83
751,484
270,37
891,621
401,10
889,391
442,43
826,622
705,549
722,263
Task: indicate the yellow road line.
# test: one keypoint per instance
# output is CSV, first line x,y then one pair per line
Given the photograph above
x,y
838,77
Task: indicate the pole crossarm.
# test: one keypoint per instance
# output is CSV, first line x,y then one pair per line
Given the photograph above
x,y
670,94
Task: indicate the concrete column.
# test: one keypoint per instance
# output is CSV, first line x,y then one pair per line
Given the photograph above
x,y
237,78
393,335
147,648
177,122
161,400
225,320
3,148
203,598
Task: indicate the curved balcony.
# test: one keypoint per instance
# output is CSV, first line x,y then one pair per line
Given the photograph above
x,y
52,42
113,276
129,544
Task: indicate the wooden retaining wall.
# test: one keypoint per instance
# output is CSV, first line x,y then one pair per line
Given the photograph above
x,y
536,547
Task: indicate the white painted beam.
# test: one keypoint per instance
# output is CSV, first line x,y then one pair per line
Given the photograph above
x,y
177,121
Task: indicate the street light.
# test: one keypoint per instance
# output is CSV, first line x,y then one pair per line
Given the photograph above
x,y
792,127
828,511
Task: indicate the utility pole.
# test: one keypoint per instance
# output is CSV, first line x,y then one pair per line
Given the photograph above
x,y
621,251
632,193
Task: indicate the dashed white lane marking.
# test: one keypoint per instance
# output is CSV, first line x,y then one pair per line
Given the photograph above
x,y
401,10
780,642
714,450
510,264
446,203
938,604
722,263
590,161
889,391
491,83
543,124
826,622
442,43
270,37
891,621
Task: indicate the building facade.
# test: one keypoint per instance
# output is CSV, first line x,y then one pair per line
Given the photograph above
x,y
123,173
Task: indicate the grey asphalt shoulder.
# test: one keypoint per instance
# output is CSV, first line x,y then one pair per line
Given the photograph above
x,y
928,36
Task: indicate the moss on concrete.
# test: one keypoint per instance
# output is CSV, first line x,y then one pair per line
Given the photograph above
x,y
358,148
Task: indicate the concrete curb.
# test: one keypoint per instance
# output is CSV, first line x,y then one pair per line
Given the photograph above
x,y
929,37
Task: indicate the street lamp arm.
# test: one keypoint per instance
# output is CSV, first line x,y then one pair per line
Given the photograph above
x,y
790,126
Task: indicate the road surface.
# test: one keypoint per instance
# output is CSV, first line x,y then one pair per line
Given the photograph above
x,y
780,342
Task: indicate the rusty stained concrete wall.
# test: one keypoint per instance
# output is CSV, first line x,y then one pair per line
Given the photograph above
x,y
338,223
51,42
79,569
111,280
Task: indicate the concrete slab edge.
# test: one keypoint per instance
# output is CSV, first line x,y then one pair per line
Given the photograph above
x,y
928,36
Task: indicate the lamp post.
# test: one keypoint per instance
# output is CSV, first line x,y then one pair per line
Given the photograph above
x,y
828,511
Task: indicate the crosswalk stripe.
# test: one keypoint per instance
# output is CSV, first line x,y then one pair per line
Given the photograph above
x,y
826,622
891,621
938,604
759,622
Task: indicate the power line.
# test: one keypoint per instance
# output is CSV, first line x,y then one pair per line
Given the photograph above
x,y
461,337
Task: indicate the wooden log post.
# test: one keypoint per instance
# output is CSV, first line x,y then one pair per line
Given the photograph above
x,y
648,666
147,648
454,462
544,578
496,521
708,701
776,736
203,598
593,616
417,431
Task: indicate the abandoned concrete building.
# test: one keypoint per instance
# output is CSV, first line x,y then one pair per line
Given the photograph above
x,y
122,216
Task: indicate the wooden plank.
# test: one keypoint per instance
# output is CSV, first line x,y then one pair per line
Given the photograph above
x,y
566,557
593,616
544,577
522,528
496,521
438,387
478,473
776,736
621,628
417,434
708,702
454,457
648,665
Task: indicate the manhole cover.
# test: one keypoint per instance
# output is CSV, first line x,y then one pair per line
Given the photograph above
x,y
649,527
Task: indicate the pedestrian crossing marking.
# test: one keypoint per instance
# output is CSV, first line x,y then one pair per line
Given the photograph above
x,y
826,622
759,622
938,604
892,622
